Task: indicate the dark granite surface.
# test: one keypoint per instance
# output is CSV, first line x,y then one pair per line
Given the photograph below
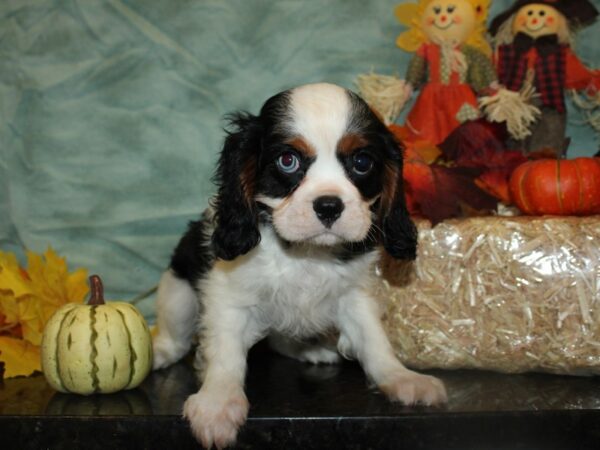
x,y
295,405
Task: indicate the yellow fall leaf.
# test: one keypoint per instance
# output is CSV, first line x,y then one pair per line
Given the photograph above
x,y
9,307
427,151
52,281
28,298
77,286
11,276
20,357
32,325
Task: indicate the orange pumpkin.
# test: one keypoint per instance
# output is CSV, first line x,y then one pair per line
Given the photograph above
x,y
557,186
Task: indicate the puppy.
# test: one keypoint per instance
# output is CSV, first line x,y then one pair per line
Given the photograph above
x,y
307,192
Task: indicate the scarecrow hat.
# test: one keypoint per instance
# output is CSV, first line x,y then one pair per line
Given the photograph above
x,y
579,13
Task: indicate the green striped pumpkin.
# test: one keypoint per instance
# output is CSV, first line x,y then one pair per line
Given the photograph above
x,y
96,348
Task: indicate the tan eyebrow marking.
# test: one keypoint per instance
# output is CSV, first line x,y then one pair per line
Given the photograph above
x,y
350,142
302,146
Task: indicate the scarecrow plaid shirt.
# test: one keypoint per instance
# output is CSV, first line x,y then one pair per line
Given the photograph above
x,y
549,69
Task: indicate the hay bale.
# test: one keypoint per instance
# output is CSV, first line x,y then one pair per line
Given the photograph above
x,y
506,294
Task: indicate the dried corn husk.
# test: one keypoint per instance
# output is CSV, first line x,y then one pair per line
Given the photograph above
x,y
508,294
386,94
512,108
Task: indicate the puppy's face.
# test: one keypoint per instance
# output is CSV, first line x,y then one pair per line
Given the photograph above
x,y
321,164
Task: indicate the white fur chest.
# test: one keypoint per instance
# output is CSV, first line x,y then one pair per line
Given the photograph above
x,y
294,291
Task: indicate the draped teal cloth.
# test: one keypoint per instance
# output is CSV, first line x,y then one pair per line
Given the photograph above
x,y
111,111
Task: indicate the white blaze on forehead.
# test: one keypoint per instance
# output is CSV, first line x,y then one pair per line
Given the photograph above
x,y
320,114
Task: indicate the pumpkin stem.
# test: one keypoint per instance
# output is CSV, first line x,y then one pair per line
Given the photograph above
x,y
96,291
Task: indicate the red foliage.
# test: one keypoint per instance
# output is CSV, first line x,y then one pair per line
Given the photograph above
x,y
435,190
480,144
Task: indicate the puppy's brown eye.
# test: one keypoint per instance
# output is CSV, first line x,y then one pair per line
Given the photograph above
x,y
288,162
362,163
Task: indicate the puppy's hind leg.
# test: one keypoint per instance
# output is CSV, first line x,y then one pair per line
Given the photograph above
x,y
177,315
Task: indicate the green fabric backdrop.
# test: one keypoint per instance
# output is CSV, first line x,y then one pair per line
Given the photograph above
x,y
111,111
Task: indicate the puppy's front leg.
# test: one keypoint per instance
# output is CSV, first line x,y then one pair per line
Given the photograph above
x,y
220,407
363,337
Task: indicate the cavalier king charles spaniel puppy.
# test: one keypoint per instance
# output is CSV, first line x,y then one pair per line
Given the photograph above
x,y
307,192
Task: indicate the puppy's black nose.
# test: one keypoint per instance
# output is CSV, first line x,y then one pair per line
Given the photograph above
x,y
328,209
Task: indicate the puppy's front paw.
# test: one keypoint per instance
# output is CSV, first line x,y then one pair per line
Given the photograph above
x,y
215,417
413,388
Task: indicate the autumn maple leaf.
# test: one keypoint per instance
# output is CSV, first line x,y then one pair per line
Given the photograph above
x,y
472,143
53,284
481,145
434,190
438,193
20,357
28,298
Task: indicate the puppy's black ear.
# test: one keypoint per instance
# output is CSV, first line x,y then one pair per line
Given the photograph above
x,y
399,234
236,217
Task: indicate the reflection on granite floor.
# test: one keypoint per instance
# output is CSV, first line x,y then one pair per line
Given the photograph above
x,y
280,387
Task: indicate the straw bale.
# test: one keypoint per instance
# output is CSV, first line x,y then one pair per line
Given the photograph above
x,y
507,294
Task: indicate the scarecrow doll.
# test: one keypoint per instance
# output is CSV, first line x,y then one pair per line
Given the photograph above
x,y
451,64
533,54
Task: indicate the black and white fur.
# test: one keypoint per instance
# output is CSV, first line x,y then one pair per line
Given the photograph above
x,y
307,190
